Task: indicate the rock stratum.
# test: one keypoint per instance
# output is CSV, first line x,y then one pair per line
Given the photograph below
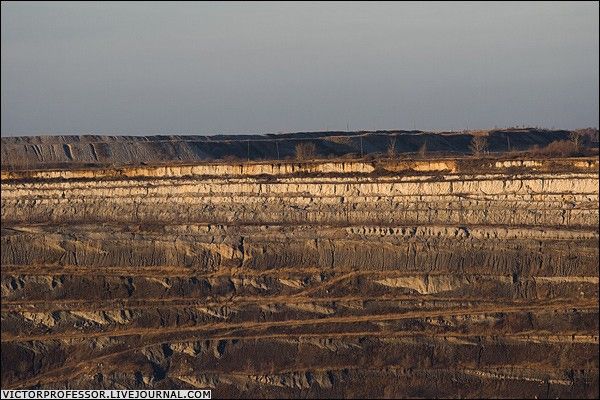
x,y
454,277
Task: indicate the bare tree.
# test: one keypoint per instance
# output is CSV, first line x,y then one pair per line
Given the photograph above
x,y
391,149
576,138
27,160
423,150
478,145
305,151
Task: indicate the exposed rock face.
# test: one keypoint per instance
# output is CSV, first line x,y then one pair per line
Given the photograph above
x,y
451,278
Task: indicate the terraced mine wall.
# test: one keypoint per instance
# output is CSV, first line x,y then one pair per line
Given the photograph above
x,y
453,278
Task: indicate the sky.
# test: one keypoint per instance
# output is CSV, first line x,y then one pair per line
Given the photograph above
x,y
212,68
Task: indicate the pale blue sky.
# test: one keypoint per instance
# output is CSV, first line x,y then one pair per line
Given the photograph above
x,y
207,68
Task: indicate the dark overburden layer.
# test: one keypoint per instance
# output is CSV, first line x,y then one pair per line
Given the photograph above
x,y
95,150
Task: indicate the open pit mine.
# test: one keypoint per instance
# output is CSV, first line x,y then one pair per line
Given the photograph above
x,y
455,276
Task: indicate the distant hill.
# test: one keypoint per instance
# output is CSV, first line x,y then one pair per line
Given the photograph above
x,y
93,150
